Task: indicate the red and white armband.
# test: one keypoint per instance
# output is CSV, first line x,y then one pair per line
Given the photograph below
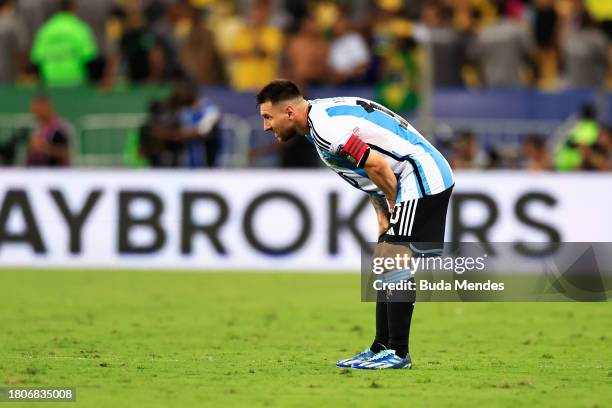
x,y
355,150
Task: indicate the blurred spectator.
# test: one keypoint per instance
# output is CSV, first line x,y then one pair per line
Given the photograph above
x,y
602,12
34,13
502,49
200,130
515,8
153,146
389,22
63,47
13,43
49,145
325,13
580,138
140,48
155,10
10,147
96,15
172,30
255,51
398,85
307,51
297,11
198,55
586,129
468,154
278,15
545,24
536,155
349,55
183,130
225,24
599,156
585,53
465,13
448,45
395,64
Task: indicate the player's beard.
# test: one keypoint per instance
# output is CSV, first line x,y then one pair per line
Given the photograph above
x,y
288,134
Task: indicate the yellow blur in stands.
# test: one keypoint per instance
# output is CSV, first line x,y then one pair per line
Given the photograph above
x,y
600,9
255,50
255,54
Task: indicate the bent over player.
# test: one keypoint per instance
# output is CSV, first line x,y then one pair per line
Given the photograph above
x,y
377,151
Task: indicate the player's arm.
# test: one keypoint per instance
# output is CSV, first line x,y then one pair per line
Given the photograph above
x,y
382,212
376,167
380,173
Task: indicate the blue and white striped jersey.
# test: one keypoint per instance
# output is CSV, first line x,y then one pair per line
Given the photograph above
x,y
343,128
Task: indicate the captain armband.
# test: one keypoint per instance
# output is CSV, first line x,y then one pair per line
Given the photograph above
x,y
356,151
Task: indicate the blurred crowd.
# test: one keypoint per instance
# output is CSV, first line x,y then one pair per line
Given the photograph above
x,y
245,43
586,145
184,130
391,45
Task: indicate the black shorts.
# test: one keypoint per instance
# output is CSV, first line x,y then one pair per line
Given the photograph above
x,y
420,220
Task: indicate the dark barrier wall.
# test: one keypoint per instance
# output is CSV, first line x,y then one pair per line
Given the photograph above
x,y
461,104
513,104
485,104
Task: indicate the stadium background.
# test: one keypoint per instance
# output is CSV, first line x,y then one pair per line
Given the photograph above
x,y
514,93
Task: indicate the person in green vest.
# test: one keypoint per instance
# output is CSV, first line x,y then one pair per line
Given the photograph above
x,y
581,138
62,48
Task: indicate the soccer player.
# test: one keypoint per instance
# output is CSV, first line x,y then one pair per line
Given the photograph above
x,y
407,179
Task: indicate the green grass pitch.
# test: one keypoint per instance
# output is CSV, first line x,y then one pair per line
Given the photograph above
x,y
152,339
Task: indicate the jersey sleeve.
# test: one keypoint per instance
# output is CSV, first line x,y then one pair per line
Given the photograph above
x,y
340,139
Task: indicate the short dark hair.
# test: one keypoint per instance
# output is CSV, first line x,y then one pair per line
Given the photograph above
x,y
588,111
277,91
66,5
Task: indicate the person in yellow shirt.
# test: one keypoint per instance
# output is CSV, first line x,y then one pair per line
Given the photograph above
x,y
255,51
